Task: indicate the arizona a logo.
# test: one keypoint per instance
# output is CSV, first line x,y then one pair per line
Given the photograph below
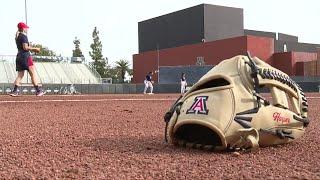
x,y
199,106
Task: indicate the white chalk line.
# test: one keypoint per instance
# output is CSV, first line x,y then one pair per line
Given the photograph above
x,y
313,97
82,100
100,100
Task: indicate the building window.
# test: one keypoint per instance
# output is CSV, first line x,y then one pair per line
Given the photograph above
x,y
285,48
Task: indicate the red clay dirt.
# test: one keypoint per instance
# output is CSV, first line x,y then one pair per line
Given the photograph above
x,y
104,137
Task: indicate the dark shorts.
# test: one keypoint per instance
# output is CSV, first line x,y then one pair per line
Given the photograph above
x,y
23,62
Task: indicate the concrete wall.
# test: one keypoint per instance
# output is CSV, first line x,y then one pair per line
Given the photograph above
x,y
172,30
222,22
260,33
287,37
294,46
190,26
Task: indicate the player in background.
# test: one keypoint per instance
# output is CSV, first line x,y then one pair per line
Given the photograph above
x,y
24,60
148,83
183,82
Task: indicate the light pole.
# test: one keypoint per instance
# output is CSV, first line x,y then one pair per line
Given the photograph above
x,y
26,16
26,11
158,60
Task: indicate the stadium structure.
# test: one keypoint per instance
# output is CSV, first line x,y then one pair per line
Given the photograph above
x,y
67,75
195,39
59,74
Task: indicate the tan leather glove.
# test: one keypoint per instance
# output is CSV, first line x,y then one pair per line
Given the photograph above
x,y
224,109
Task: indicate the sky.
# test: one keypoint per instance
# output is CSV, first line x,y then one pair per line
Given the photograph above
x,y
55,23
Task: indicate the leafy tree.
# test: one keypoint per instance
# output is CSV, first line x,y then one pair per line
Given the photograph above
x,y
122,66
99,63
77,51
130,72
111,72
44,51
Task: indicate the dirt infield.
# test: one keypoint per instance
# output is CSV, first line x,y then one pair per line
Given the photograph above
x,y
121,137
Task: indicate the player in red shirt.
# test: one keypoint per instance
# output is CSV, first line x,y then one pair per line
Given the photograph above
x,y
24,60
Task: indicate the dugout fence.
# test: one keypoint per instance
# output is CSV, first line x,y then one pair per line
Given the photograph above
x,y
6,88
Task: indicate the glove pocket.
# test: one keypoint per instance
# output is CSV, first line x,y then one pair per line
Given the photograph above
x,y
203,119
196,132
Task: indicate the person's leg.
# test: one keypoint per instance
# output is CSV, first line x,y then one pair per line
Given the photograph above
x,y
151,87
17,83
19,78
145,87
181,90
183,87
32,73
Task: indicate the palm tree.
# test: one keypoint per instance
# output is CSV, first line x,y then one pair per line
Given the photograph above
x,y
122,67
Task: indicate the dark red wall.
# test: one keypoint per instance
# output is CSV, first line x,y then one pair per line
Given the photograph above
x,y
318,62
261,47
213,52
216,51
308,68
283,62
144,63
288,62
307,63
300,68
304,56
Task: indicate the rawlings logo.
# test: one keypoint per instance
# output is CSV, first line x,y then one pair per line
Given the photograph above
x,y
278,118
199,106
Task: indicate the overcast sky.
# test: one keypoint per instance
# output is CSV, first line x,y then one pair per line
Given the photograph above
x,y
55,23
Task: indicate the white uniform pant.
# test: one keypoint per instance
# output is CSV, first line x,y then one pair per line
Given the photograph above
x,y
183,87
148,84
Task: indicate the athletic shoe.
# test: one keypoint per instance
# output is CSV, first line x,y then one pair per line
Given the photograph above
x,y
40,93
14,94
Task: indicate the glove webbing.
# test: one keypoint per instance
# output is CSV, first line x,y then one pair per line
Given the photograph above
x,y
169,114
271,74
254,74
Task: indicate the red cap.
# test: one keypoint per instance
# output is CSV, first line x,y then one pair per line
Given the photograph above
x,y
22,25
